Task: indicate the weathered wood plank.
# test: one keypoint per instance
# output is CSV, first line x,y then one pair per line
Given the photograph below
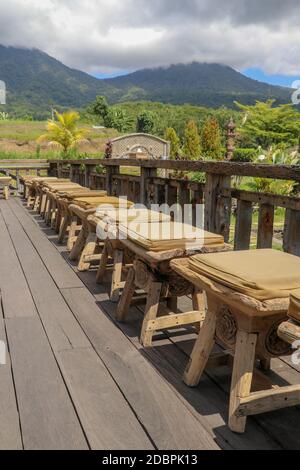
x,y
48,419
63,276
170,425
242,234
289,172
288,202
265,226
60,324
10,432
291,237
106,417
212,219
16,297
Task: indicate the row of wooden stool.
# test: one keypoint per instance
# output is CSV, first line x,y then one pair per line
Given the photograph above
x,y
249,329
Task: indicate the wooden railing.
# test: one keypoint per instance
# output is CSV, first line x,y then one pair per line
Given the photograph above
x,y
228,211
16,168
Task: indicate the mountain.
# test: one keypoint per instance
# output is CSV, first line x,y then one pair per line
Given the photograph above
x,y
35,81
202,84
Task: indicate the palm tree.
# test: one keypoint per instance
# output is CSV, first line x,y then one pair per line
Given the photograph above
x,y
64,132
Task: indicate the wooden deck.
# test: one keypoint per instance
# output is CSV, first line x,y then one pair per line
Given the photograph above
x,y
75,379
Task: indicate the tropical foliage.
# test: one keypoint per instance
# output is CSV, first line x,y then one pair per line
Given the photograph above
x,y
266,125
211,139
192,148
64,132
173,139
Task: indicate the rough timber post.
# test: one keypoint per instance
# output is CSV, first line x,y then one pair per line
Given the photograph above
x,y
217,207
110,172
146,173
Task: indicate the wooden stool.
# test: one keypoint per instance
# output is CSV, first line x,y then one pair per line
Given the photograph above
x,y
249,327
152,273
86,246
5,181
65,221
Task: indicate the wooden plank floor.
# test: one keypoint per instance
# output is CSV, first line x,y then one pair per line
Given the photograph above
x,y
74,379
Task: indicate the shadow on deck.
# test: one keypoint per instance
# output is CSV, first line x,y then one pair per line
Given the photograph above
x,y
74,379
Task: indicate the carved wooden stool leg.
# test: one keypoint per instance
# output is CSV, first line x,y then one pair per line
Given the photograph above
x,y
202,349
42,204
199,303
117,276
126,297
79,245
243,365
58,222
265,364
153,298
6,192
63,229
73,224
36,202
53,216
89,249
103,265
30,201
50,212
47,210
172,303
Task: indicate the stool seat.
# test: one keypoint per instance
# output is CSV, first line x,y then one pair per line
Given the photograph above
x,y
259,274
168,236
247,311
90,202
132,214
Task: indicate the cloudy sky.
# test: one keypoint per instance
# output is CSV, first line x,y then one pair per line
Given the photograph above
x,y
261,37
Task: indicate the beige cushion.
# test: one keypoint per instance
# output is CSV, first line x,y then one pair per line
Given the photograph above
x,y
118,215
5,179
168,236
294,310
261,274
81,192
106,202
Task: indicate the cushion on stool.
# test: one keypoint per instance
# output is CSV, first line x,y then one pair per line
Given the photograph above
x,y
261,274
109,201
294,309
168,236
131,214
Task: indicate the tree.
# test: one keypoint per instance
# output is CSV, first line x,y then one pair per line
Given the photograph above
x,y
64,132
145,122
211,139
118,119
100,107
172,137
267,125
192,146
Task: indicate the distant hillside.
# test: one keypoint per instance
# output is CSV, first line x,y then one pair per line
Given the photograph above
x,y
36,81
211,85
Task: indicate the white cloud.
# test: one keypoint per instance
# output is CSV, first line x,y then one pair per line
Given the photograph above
x,y
107,35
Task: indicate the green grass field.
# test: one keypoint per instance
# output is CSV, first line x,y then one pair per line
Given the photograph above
x,y
18,139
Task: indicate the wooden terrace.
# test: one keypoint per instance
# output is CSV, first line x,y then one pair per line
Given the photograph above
x,y
76,379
